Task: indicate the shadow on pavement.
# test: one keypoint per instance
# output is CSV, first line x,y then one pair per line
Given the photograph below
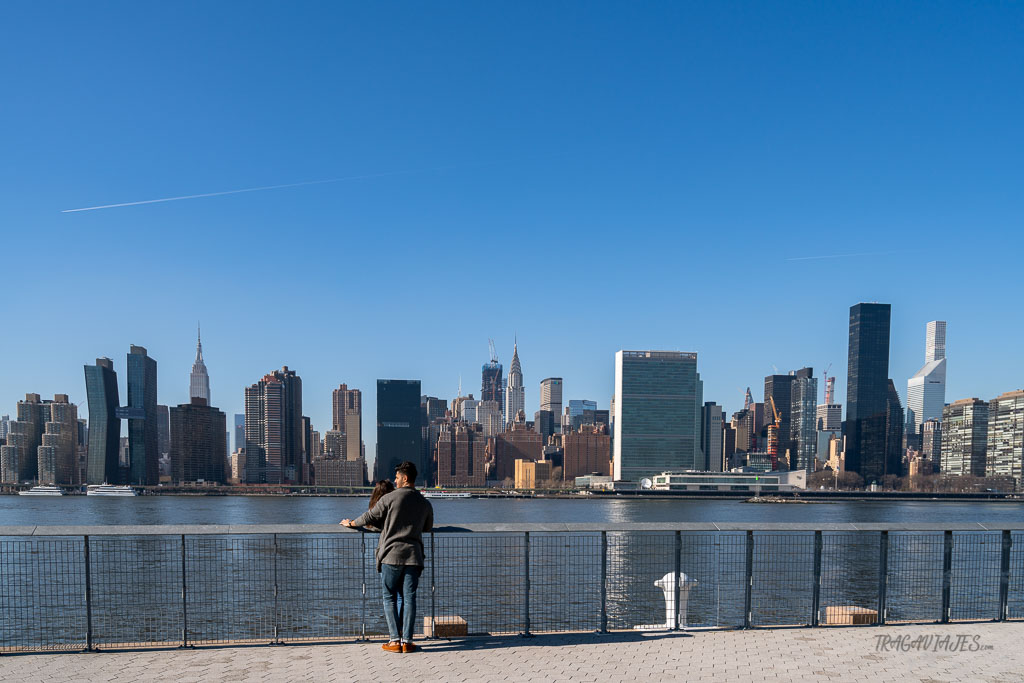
x,y
542,640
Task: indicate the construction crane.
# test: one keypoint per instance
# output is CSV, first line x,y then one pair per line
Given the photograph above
x,y
494,353
828,394
773,435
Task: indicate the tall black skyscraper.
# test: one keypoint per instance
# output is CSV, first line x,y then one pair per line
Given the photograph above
x,y
104,424
492,386
867,392
780,389
399,436
141,411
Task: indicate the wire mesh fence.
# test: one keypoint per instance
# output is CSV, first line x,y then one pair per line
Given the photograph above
x,y
148,589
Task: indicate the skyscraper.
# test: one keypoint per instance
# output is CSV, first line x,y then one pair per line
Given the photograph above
x,y
926,391
712,417
779,388
143,448
658,396
551,399
579,412
273,428
57,452
199,380
803,420
20,455
1005,452
104,424
239,431
493,386
198,448
964,437
867,392
894,426
515,392
399,437
347,414
931,443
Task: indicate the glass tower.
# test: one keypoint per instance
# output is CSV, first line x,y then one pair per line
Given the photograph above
x,y
867,392
658,399
143,430
102,465
399,436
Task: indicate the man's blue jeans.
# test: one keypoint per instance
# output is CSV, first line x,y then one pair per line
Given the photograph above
x,y
400,583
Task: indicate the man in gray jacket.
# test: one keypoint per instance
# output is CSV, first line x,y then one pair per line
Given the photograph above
x,y
402,516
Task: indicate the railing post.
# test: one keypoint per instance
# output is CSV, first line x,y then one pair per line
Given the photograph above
x,y
678,575
747,616
362,567
816,588
604,582
883,575
88,597
184,597
947,574
277,631
526,585
1004,576
433,587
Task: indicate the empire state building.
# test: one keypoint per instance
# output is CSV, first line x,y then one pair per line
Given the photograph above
x,y
199,381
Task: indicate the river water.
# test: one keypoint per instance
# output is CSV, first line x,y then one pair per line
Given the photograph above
x,y
32,510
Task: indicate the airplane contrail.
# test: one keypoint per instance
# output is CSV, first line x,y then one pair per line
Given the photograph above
x,y
865,253
278,187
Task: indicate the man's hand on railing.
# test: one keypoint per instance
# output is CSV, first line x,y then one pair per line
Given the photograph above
x,y
348,523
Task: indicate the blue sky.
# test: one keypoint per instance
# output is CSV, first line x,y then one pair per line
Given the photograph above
x,y
590,176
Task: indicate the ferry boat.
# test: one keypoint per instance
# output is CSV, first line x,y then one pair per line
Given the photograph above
x,y
446,494
109,490
44,490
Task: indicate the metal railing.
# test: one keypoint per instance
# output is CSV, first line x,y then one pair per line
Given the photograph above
x,y
90,588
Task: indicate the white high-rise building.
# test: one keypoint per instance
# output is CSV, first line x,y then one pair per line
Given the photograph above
x,y
199,381
515,392
551,399
926,391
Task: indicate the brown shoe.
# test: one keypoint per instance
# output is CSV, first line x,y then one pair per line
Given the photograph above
x,y
409,647
393,646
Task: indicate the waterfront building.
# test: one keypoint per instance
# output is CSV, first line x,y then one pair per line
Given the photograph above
x,y
894,427
517,442
529,474
239,431
867,393
931,442
711,419
199,380
551,399
399,437
198,448
586,451
1005,451
803,420
926,391
143,447
492,385
274,428
515,390
332,471
964,437
734,480
461,460
57,453
348,419
658,395
25,435
238,466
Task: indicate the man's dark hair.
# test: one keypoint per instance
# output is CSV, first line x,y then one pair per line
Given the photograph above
x,y
408,469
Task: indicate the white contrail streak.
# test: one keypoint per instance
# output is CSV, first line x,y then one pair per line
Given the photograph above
x,y
865,253
268,187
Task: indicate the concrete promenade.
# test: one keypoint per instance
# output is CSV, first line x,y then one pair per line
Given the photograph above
x,y
956,652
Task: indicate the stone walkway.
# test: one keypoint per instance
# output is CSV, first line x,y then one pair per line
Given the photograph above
x,y
959,652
